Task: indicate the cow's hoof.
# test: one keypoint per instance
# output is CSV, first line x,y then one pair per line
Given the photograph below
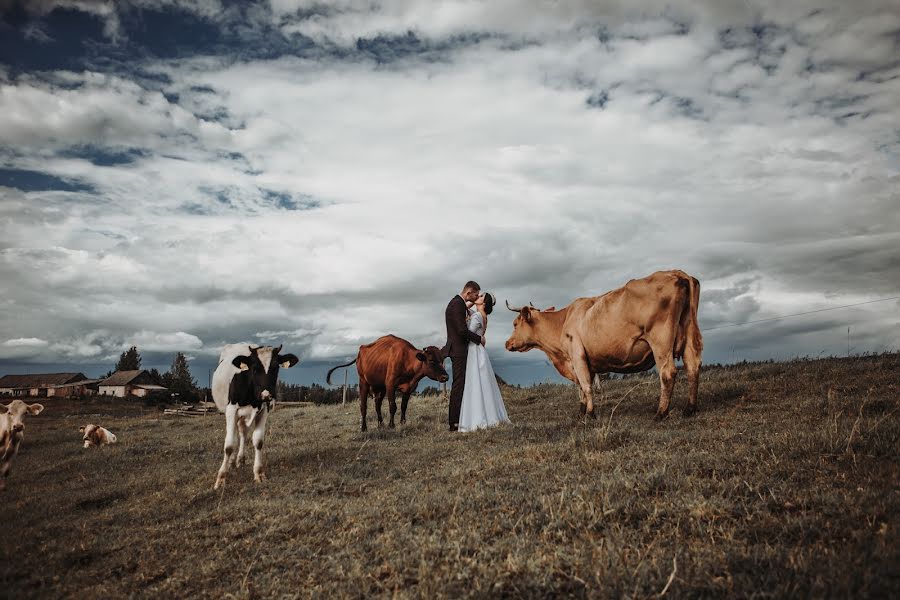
x,y
363,428
661,416
582,409
689,411
390,425
403,421
219,483
260,478
592,414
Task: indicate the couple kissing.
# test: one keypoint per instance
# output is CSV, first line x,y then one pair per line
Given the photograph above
x,y
475,400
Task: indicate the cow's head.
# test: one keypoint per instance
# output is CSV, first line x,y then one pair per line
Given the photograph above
x,y
262,365
433,363
523,336
89,434
16,410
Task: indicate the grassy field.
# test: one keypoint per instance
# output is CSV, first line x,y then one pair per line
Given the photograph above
x,y
776,488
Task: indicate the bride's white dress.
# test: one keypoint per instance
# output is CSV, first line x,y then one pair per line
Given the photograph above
x,y
482,404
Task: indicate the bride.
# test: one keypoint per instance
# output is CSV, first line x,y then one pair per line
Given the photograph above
x,y
482,405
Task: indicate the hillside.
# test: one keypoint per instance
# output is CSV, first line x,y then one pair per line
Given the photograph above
x,y
776,488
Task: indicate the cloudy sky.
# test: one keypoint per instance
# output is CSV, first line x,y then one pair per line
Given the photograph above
x,y
178,175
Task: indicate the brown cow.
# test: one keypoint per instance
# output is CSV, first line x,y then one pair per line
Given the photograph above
x,y
391,364
647,322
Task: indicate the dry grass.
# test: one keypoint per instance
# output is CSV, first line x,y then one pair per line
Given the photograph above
x,y
772,490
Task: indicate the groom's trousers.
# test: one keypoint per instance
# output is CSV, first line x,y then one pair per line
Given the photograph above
x,y
456,390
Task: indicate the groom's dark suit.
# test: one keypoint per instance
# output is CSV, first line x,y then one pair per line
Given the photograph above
x,y
457,348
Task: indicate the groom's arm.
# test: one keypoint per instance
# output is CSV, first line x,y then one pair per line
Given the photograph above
x,y
460,327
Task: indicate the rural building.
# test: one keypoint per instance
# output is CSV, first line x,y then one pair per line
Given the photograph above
x,y
85,387
37,384
122,384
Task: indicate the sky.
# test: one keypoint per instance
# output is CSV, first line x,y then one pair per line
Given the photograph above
x,y
180,175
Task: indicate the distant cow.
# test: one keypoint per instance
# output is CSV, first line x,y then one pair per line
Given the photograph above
x,y
94,435
391,364
12,432
243,387
645,323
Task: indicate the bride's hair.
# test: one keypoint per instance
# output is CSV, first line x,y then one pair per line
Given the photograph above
x,y
489,303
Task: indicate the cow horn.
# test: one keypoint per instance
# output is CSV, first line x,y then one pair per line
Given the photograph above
x,y
518,310
278,349
531,304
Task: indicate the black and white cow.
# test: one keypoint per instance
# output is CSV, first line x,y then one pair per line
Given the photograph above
x,y
243,387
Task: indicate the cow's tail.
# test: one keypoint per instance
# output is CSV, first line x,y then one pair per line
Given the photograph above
x,y
328,377
688,326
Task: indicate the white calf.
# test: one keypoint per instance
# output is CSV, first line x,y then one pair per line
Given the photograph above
x,y
94,435
12,432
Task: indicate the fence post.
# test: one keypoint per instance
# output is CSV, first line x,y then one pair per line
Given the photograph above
x,y
344,392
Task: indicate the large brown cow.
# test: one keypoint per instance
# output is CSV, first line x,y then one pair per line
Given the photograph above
x,y
391,364
647,322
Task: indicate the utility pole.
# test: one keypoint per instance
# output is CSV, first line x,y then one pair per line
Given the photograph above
x,y
848,342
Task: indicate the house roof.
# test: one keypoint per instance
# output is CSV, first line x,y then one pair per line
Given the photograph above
x,y
122,377
33,380
79,382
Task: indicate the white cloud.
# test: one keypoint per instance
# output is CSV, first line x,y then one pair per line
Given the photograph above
x,y
617,141
178,341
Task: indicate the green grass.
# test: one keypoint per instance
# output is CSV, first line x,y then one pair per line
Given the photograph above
x,y
771,490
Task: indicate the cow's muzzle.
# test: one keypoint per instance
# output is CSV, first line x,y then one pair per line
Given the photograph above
x,y
18,427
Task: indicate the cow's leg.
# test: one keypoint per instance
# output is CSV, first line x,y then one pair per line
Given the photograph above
x,y
665,364
230,443
242,441
363,401
392,404
259,436
692,360
404,402
6,461
584,378
379,398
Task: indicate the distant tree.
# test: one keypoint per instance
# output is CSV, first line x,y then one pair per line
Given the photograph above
x,y
156,377
130,360
179,379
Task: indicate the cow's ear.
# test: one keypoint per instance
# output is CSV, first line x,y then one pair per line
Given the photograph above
x,y
4,408
81,429
526,313
421,356
35,409
287,360
241,362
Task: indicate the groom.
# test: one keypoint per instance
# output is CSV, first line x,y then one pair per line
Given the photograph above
x,y
457,346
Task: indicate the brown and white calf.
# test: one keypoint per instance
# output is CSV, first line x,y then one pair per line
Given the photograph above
x,y
243,387
94,435
12,432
